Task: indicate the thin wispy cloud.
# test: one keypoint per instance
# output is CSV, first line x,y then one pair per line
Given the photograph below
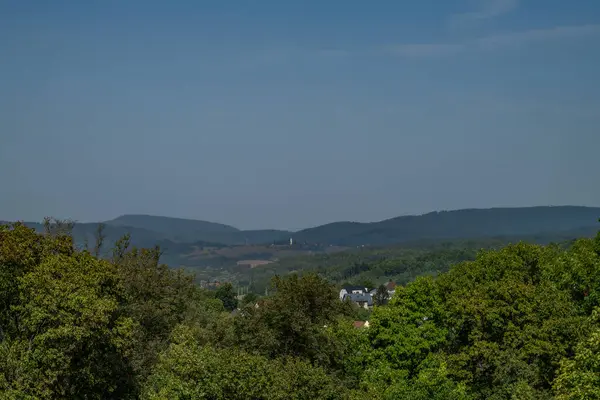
x,y
485,9
522,38
538,35
493,42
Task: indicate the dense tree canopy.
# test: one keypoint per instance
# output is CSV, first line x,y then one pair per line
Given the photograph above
x,y
226,294
522,322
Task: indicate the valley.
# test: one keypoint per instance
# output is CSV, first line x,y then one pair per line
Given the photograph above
x,y
218,252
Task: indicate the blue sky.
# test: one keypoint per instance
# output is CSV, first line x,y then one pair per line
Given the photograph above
x,y
289,114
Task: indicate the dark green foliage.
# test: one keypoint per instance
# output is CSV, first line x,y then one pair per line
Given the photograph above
x,y
292,321
501,326
381,296
63,332
74,326
250,298
226,294
400,264
158,298
579,376
521,322
190,371
510,325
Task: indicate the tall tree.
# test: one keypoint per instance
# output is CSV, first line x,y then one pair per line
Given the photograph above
x,y
71,340
99,239
381,295
292,321
158,298
227,295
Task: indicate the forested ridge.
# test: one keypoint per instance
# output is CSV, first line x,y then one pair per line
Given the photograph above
x,y
520,322
180,234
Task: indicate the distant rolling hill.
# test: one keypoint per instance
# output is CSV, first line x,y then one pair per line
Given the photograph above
x,y
183,230
180,238
188,230
171,233
468,223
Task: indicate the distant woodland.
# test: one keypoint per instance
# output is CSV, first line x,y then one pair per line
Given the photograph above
x,y
342,251
110,321
179,235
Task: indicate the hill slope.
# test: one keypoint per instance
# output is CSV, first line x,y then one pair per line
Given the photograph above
x,y
176,229
181,236
468,223
181,230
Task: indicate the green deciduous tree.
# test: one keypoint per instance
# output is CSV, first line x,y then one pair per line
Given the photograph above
x,y
579,376
431,381
508,325
293,321
520,323
71,339
381,296
411,327
227,295
188,370
158,298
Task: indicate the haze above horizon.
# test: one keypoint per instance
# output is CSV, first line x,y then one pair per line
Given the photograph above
x,y
281,115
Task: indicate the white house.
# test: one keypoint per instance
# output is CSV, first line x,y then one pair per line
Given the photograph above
x,y
352,290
